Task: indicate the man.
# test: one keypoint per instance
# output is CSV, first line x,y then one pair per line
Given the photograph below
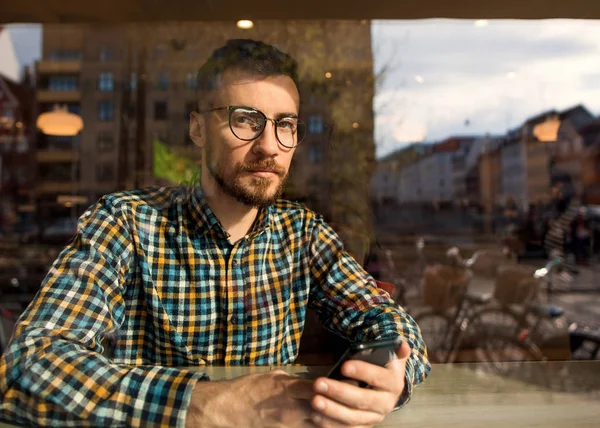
x,y
160,279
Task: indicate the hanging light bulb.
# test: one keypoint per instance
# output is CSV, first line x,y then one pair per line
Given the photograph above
x,y
59,122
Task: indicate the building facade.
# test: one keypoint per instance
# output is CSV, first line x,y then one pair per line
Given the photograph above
x,y
134,85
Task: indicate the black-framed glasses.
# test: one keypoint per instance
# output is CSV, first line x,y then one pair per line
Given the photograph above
x,y
248,123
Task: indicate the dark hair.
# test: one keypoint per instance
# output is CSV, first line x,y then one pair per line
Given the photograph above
x,y
245,55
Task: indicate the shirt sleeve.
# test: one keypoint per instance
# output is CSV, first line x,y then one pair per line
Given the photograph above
x,y
54,372
349,303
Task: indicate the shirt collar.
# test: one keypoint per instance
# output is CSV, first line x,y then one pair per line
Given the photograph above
x,y
205,220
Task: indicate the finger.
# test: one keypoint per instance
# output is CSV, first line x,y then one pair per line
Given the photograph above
x,y
382,378
340,414
355,397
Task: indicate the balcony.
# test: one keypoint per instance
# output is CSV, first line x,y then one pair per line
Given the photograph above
x,y
44,95
57,187
54,67
53,156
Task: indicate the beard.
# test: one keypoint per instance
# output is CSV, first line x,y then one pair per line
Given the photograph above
x,y
257,192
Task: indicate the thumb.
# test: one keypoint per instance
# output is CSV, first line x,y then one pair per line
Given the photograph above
x,y
402,355
404,351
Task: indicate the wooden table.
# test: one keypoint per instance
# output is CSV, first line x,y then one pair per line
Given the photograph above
x,y
556,394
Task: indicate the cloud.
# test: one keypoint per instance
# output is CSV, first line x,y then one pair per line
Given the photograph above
x,y
555,65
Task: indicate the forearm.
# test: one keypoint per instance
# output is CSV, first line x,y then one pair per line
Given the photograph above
x,y
63,384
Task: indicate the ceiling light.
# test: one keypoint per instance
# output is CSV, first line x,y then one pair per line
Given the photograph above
x,y
245,24
328,75
481,23
355,125
419,79
511,74
59,122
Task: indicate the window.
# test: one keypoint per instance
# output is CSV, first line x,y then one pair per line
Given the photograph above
x,y
62,83
162,83
65,55
133,81
160,110
190,81
105,111
315,154
106,82
74,108
315,124
60,171
107,53
106,142
104,172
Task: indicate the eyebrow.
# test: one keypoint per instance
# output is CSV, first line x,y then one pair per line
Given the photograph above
x,y
282,115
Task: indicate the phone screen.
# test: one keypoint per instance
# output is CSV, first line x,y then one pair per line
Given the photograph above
x,y
377,352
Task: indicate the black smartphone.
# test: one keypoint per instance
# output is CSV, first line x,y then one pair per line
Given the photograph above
x,y
377,352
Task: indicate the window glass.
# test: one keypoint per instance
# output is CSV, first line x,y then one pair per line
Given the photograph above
x,y
106,82
105,111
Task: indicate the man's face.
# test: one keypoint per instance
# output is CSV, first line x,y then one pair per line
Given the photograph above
x,y
252,172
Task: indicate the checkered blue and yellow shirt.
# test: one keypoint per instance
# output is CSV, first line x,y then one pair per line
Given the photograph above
x,y
152,275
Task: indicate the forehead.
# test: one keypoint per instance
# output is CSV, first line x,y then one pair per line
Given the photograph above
x,y
272,95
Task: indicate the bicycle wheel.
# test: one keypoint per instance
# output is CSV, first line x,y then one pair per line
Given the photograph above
x,y
434,329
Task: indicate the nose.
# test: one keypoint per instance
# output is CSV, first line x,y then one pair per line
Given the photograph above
x,y
267,143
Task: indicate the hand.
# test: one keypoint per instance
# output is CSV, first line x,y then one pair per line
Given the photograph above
x,y
273,399
344,404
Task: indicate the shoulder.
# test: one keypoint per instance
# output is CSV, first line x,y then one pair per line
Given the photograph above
x,y
148,199
285,211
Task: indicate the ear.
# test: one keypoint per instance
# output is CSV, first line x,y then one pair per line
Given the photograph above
x,y
198,129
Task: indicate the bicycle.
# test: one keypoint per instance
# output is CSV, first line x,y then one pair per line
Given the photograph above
x,y
503,326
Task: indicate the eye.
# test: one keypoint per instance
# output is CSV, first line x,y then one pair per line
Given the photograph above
x,y
289,124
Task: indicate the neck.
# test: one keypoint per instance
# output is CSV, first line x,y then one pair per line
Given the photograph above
x,y
235,217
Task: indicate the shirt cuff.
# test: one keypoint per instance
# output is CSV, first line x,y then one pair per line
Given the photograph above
x,y
408,385
162,396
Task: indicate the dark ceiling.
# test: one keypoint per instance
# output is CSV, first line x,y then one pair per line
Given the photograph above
x,y
113,11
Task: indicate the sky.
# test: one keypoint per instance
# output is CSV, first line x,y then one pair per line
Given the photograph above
x,y
451,77
458,77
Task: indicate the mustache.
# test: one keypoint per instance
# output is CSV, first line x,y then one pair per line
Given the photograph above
x,y
264,165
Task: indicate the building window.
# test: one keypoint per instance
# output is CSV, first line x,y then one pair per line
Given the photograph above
x,y
62,83
160,110
107,53
65,55
190,107
315,154
162,82
104,172
105,111
106,82
190,81
315,124
106,142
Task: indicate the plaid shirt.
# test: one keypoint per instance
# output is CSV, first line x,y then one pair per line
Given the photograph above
x,y
151,284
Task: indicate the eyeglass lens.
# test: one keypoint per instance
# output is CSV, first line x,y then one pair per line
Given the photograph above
x,y
247,124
